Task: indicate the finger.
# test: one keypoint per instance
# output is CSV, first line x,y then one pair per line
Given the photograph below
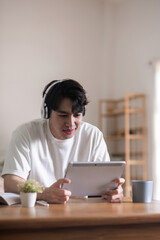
x,y
120,181
64,192
61,181
61,199
107,197
59,193
116,191
59,196
113,198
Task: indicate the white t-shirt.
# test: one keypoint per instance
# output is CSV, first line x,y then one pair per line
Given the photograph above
x,y
34,153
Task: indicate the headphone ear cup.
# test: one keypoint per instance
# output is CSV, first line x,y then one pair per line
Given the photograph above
x,y
44,111
46,116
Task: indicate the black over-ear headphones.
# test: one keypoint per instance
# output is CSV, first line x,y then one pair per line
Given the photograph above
x,y
44,108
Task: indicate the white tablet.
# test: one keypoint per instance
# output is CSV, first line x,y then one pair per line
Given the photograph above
x,y
92,178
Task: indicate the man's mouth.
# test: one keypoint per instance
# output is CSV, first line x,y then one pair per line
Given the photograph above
x,y
69,131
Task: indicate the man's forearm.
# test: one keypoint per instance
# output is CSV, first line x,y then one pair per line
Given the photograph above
x,y
11,182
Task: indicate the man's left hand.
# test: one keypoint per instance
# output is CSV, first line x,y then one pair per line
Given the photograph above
x,y
115,195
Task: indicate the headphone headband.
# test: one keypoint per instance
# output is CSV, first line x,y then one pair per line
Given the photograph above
x,y
44,108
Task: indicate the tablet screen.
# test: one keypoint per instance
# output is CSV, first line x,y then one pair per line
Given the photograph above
x,y
92,178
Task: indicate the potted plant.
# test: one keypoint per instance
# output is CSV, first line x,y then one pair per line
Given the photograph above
x,y
28,192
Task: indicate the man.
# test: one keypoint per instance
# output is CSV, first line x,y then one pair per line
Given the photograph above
x,y
42,149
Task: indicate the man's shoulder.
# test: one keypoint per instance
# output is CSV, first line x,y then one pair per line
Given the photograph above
x,y
31,126
88,127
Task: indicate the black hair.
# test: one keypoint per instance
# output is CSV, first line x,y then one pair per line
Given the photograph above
x,y
66,88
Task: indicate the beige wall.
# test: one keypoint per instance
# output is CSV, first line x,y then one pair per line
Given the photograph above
x,y
105,44
137,42
42,40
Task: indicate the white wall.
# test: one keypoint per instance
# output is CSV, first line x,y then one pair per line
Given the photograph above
x,y
109,48
105,44
137,43
42,40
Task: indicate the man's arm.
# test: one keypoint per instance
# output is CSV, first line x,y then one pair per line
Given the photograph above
x,y
10,183
52,194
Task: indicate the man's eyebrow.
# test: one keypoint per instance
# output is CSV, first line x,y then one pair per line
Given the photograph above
x,y
61,111
64,112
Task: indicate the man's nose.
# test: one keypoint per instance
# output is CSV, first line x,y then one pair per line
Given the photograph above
x,y
70,121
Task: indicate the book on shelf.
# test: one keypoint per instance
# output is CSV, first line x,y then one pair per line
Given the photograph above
x,y
9,198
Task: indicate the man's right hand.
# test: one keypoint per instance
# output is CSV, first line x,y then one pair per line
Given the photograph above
x,y
55,193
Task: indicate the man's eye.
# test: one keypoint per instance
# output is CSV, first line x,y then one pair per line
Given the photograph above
x,y
77,115
62,115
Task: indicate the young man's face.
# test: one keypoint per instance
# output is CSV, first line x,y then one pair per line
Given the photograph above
x,y
63,123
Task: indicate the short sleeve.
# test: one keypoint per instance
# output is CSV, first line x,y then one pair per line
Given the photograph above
x,y
17,161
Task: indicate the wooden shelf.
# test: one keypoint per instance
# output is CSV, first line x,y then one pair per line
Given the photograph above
x,y
114,138
135,162
121,112
134,111
129,112
130,136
